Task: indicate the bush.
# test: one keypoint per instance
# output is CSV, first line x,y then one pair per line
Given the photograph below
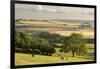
x,y
89,40
20,50
36,51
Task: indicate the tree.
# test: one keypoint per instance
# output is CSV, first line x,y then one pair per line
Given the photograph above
x,y
19,39
27,43
75,43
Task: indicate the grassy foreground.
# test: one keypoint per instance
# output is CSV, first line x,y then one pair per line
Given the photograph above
x,y
27,59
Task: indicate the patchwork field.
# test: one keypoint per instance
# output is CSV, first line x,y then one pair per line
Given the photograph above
x,y
58,27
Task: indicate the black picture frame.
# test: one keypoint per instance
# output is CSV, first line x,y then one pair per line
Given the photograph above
x,y
12,32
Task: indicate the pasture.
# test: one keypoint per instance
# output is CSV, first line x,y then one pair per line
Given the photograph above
x,y
27,59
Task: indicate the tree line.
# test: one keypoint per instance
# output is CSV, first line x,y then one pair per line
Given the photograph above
x,y
45,43
56,38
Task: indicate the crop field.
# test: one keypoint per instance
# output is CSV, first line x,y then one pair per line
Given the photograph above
x,y
58,27
85,33
48,22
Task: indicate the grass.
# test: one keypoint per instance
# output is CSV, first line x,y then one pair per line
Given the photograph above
x,y
27,59
90,48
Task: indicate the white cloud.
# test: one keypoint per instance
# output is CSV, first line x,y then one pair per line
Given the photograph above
x,y
40,7
50,10
45,8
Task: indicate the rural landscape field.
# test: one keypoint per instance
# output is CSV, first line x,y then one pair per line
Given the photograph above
x,y
50,40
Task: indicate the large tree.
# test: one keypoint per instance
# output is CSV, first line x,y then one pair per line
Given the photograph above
x,y
75,43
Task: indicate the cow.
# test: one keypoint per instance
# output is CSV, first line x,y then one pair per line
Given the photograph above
x,y
62,58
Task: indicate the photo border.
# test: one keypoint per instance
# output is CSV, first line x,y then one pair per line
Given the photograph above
x,y
12,33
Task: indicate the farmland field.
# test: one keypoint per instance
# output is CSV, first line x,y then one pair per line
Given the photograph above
x,y
58,27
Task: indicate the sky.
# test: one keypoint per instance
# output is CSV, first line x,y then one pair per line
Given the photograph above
x,y
26,11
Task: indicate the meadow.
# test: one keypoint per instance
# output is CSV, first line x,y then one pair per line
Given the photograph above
x,y
27,59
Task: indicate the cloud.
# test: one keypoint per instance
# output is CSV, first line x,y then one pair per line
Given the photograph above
x,y
40,8
50,10
45,8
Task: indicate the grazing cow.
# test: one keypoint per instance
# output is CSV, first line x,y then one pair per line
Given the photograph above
x,y
62,58
32,55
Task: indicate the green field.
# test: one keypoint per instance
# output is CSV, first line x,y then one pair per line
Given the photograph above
x,y
27,59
